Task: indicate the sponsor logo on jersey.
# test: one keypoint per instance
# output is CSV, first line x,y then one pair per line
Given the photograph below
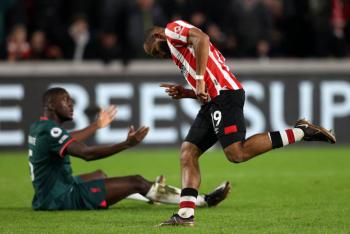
x,y
63,138
56,132
178,29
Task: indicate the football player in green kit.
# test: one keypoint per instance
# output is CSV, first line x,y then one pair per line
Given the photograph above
x,y
57,189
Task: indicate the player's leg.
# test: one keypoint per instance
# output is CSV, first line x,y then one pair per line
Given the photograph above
x,y
167,194
159,192
200,137
203,200
261,143
99,174
100,193
228,118
190,172
160,180
138,188
96,175
244,150
207,200
118,188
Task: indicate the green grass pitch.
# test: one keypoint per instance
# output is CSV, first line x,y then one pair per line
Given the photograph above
x,y
292,190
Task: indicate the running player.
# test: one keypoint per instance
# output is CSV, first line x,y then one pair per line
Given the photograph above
x,y
57,189
221,115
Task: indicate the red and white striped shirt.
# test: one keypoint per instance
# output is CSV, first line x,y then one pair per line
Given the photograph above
x,y
217,76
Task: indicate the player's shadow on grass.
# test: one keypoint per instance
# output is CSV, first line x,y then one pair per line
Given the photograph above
x,y
115,207
22,209
137,206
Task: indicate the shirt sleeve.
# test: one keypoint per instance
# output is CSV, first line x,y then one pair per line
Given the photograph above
x,y
60,139
177,33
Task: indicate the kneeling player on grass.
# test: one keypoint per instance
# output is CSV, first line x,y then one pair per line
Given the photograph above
x,y
57,189
221,116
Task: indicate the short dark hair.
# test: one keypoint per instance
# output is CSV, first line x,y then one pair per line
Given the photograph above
x,y
149,39
51,94
149,32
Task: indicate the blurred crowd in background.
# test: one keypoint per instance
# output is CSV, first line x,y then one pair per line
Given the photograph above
x,y
113,29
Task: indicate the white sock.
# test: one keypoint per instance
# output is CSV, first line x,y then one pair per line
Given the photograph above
x,y
290,136
187,205
286,137
166,194
298,134
200,201
137,197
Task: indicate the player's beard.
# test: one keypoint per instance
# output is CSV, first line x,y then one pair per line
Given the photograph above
x,y
65,118
64,115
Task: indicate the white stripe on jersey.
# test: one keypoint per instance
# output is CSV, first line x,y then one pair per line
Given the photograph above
x,y
211,75
184,24
224,73
183,61
175,36
215,82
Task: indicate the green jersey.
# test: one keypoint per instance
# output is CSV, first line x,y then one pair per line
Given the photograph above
x,y
50,167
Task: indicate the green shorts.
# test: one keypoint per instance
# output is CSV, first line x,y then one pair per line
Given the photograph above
x,y
86,195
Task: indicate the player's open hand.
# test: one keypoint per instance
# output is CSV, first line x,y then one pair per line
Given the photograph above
x,y
201,91
106,116
136,136
174,91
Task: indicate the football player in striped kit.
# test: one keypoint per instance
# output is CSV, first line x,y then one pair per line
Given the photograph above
x,y
221,115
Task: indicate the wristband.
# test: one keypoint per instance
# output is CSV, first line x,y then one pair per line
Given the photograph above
x,y
199,77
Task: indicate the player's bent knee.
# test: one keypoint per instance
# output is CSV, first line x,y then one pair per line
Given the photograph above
x,y
141,185
187,159
234,156
101,174
138,178
185,147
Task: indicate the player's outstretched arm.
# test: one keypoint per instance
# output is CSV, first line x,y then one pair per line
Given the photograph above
x,y
105,117
89,153
178,91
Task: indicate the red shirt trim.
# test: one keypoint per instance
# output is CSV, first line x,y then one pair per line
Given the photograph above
x,y
64,147
43,118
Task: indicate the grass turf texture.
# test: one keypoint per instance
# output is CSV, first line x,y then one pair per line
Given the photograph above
x,y
293,190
